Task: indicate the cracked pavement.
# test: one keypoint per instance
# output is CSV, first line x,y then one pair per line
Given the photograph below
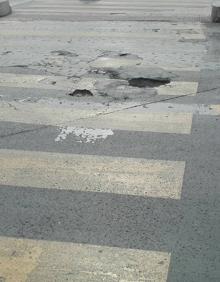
x,y
109,141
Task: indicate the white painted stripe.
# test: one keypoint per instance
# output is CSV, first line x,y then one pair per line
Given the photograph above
x,y
43,25
36,260
118,6
128,176
175,68
179,123
32,113
122,2
147,10
199,109
104,2
37,113
178,88
34,81
215,109
100,34
123,6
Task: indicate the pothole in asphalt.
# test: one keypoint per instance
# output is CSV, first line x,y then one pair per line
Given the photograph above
x,y
123,54
143,82
81,93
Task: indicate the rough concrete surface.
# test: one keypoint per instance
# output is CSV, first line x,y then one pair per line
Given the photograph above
x,y
109,141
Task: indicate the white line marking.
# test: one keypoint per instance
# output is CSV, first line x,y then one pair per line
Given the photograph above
x,y
132,120
178,88
36,260
127,176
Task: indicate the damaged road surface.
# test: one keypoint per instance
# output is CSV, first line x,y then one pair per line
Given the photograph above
x,y
142,82
109,142
80,93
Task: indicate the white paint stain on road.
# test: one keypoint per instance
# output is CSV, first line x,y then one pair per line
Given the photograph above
x,y
86,135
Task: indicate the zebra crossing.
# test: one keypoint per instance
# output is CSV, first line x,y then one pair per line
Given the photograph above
x,y
34,260
85,214
115,10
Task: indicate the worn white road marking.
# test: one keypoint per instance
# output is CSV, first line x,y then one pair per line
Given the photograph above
x,y
61,83
197,35
162,122
199,109
34,81
130,176
215,109
180,55
168,10
18,258
35,260
116,62
36,113
178,88
87,135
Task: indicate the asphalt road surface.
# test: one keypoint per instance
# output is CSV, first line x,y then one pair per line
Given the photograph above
x,y
109,142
